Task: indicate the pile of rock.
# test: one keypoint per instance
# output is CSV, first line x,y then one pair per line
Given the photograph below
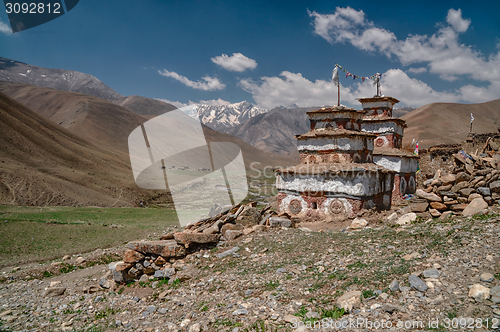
x,y
160,259
473,185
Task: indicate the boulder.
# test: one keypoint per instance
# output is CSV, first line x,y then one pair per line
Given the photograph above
x,y
228,252
458,207
444,188
406,219
466,191
448,178
495,186
80,260
479,292
107,284
419,206
160,261
474,207
54,291
445,216
134,273
132,256
434,213
436,183
461,177
165,273
119,276
358,223
232,227
349,300
165,248
167,236
394,286
215,228
448,193
428,196
431,273
476,180
417,283
487,277
189,239
438,206
485,191
480,184
121,266
392,217
280,222
232,234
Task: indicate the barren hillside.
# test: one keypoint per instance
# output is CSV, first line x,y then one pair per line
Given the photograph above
x,y
440,123
42,163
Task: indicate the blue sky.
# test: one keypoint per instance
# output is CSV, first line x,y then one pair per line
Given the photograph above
x,y
273,53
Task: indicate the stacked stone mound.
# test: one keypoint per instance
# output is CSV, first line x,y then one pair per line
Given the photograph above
x,y
469,189
157,259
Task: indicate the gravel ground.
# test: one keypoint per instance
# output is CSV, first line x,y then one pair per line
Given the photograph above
x,y
284,280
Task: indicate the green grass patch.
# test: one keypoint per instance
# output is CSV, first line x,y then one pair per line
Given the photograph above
x,y
368,293
334,313
272,285
45,233
175,284
105,313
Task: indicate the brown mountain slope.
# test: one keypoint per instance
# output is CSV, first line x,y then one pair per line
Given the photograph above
x,y
446,123
275,130
96,120
108,125
145,106
42,163
60,79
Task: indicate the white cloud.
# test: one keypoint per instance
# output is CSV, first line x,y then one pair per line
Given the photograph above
x,y
342,20
290,88
442,52
455,19
209,84
236,62
417,70
293,88
5,28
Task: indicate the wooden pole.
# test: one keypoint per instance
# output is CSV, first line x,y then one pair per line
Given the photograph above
x,y
338,95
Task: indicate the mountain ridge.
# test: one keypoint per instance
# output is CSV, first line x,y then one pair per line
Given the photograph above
x,y
59,79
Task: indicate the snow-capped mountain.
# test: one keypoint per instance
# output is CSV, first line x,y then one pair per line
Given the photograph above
x,y
224,116
59,79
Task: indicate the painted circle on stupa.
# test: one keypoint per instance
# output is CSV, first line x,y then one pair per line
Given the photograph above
x,y
336,207
295,206
379,141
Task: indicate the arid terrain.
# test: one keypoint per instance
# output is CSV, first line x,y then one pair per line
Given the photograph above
x,y
416,275
446,123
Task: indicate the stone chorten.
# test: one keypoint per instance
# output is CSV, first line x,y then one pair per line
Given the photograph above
x,y
336,177
387,151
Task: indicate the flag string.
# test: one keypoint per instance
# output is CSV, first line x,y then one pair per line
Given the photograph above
x,y
363,78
